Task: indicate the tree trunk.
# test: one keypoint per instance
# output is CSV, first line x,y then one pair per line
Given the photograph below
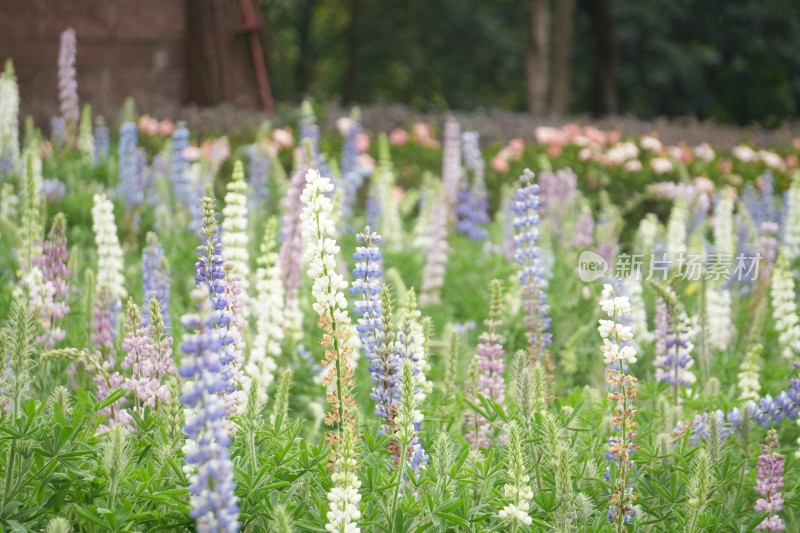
x,y
537,57
305,62
605,57
353,44
562,56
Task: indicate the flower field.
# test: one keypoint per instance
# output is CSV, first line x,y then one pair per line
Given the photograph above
x,y
292,329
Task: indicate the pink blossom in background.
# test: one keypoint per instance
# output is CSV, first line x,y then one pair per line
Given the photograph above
x,y
791,162
516,147
45,150
554,150
283,138
422,133
148,125
365,161
499,164
725,166
362,142
217,151
398,136
650,143
166,127
744,153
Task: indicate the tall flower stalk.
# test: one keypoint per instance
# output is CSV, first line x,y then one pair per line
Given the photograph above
x,y
784,308
214,504
531,274
623,388
490,366
155,278
769,484
267,307
318,230
235,238
67,82
674,347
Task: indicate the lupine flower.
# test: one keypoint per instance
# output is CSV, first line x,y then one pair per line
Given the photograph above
x,y
104,319
769,484
584,228
268,310
148,357
451,161
214,505
58,130
676,232
130,179
105,379
490,365
366,287
330,304
784,308
701,430
31,230
750,373
768,246
353,173
67,82
235,238
724,237
53,266
85,135
674,347
791,221
410,346
719,311
179,165
258,170
155,279
54,190
109,252
531,274
222,285
309,132
518,490
385,367
291,256
557,193
607,231
407,451
101,141
623,388
9,120
473,204
436,261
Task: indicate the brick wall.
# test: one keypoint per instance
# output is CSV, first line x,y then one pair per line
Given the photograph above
x,y
125,48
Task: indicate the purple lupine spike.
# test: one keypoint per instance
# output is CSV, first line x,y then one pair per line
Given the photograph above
x,y
179,165
214,504
155,279
557,192
309,130
584,229
769,485
130,179
366,287
472,207
101,141
58,130
104,320
67,80
258,169
353,174
53,265
490,355
531,273
291,252
700,427
148,357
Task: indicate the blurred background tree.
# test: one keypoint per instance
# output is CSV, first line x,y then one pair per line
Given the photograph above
x,y
733,61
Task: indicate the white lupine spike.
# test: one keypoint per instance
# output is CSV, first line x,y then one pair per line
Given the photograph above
x,y
109,252
235,239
